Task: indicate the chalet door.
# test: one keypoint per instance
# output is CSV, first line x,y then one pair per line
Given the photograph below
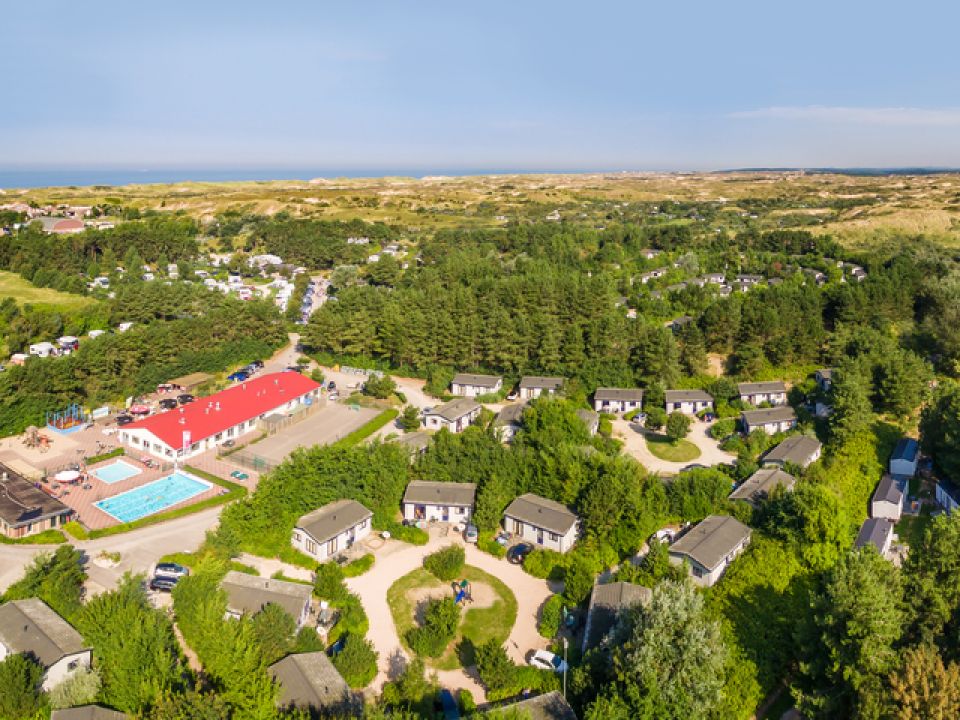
x,y
446,514
539,537
517,527
332,547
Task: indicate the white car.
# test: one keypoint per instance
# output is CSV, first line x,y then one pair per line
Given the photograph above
x,y
665,535
546,660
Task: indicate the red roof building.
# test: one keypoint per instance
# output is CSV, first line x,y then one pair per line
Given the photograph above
x,y
210,421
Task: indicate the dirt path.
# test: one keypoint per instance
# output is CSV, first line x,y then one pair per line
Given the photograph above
x,y
635,444
396,560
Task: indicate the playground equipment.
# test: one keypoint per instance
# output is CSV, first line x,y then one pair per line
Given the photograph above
x,y
463,592
34,439
68,420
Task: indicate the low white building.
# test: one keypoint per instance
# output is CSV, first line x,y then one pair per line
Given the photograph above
x,y
877,532
454,416
43,349
688,402
617,400
710,547
757,393
471,385
801,450
508,422
769,420
824,378
903,461
331,529
31,627
439,501
545,523
533,386
249,594
888,499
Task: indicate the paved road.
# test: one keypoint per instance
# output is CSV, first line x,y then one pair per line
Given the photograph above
x,y
635,445
397,559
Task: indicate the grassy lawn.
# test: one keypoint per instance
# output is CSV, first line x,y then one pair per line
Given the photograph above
x,y
682,451
910,529
477,625
26,293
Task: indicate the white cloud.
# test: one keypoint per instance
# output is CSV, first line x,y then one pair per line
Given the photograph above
x,y
889,116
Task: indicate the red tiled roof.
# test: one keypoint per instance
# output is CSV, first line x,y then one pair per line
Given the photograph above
x,y
238,403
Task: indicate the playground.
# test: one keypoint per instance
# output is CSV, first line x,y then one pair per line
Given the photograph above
x,y
322,427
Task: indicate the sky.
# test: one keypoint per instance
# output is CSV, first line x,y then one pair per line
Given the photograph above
x,y
492,85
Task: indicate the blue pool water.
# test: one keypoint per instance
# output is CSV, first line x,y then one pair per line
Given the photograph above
x,y
153,497
116,471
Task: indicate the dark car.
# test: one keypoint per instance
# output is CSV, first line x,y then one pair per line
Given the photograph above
x,y
518,553
448,705
168,403
331,385
295,368
238,376
257,364
164,583
124,419
185,398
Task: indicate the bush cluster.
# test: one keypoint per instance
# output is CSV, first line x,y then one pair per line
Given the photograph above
x,y
446,564
440,621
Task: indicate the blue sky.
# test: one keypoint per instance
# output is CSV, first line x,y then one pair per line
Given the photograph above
x,y
484,85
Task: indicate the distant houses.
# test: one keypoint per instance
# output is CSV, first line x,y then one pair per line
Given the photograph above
x,y
249,594
903,461
800,450
710,547
759,486
470,385
757,393
545,523
310,682
439,501
25,509
533,386
688,402
508,422
889,498
877,532
31,627
607,603
824,379
590,419
455,416
770,420
617,400
549,706
328,530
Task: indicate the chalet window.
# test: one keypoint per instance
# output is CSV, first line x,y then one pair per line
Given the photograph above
x,y
73,666
311,547
296,536
554,537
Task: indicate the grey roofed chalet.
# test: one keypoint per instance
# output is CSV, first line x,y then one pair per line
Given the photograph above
x,y
825,373
87,712
22,503
310,680
618,394
486,381
250,593
440,493
783,413
606,603
905,449
30,626
327,522
754,388
510,415
760,485
675,396
539,381
874,531
888,490
796,449
455,409
712,540
415,441
549,706
542,513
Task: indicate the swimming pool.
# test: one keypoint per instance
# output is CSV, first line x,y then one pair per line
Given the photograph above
x,y
116,471
153,497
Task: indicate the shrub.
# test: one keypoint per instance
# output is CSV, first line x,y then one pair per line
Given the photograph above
x,y
656,418
545,564
578,580
440,621
678,425
487,542
76,530
447,563
723,428
550,616
358,566
353,619
328,583
80,688
408,534
467,703
357,661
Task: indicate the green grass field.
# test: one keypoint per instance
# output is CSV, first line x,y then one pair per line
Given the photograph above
x,y
682,451
12,285
477,625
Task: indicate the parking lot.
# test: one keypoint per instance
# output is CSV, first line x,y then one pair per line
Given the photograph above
x,y
324,426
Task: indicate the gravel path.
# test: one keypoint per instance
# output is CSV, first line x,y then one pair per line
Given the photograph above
x,y
635,444
396,559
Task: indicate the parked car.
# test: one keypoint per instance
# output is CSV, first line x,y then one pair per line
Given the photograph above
x,y
124,420
331,386
163,583
258,364
294,368
546,660
333,396
185,398
448,705
238,376
512,396
518,553
170,569
168,403
664,535
229,443
471,534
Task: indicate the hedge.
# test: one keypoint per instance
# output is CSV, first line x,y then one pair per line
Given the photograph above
x,y
359,566
362,433
446,564
487,542
116,452
234,492
47,537
76,530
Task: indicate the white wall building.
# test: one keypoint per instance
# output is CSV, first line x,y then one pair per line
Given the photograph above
x,y
331,529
